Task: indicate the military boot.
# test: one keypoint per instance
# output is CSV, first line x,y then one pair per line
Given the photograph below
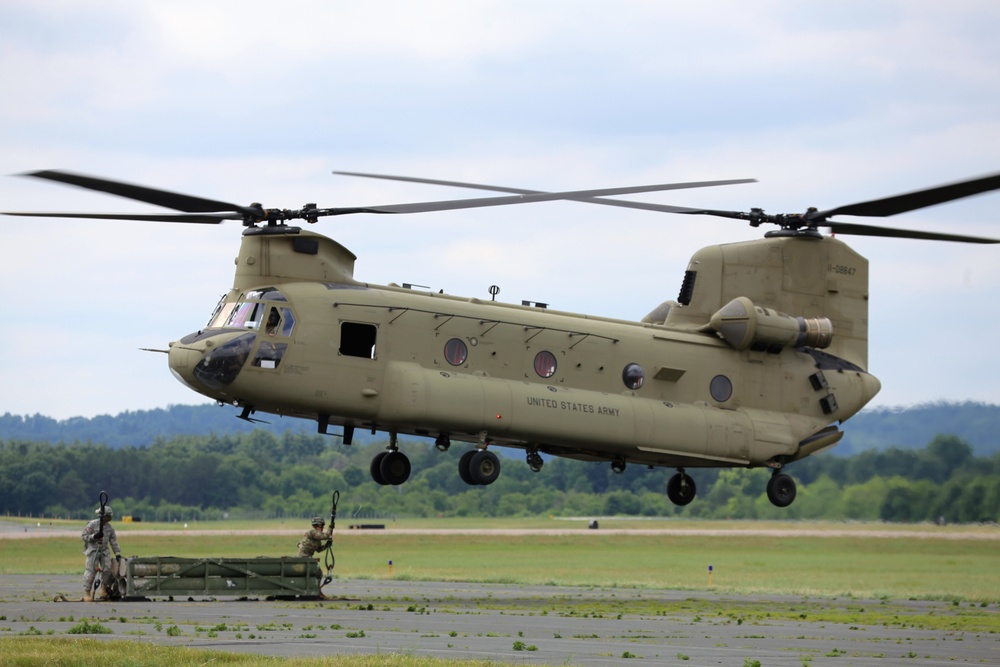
x,y
102,593
88,596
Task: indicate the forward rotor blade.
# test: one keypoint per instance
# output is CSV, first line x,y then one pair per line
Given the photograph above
x,y
174,200
881,208
874,230
587,196
199,218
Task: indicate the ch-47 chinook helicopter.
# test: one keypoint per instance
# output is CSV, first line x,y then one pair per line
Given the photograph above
x,y
761,356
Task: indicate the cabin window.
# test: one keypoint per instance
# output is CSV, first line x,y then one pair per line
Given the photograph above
x,y
545,364
721,388
357,339
456,352
633,376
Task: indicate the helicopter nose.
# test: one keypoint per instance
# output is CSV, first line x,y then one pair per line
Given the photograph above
x,y
208,363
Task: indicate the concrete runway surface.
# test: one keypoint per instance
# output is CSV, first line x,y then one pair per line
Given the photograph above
x,y
538,625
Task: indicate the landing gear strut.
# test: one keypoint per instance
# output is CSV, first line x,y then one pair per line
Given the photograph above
x,y
681,488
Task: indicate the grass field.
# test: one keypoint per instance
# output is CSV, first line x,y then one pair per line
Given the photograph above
x,y
866,561
76,652
823,562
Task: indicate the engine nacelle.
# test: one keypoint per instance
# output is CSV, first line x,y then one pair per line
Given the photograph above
x,y
744,325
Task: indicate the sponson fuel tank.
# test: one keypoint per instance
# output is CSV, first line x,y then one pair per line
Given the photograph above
x,y
641,430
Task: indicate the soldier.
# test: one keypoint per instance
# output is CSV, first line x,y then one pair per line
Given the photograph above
x,y
97,537
313,542
315,537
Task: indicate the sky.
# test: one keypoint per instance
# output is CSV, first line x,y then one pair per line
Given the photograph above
x,y
825,103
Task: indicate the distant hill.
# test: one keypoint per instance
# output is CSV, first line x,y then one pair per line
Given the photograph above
x,y
142,427
909,428
913,427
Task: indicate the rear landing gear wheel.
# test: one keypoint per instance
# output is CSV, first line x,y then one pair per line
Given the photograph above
x,y
681,489
781,490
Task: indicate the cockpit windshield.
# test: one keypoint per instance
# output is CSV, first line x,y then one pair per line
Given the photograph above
x,y
221,313
245,313
246,316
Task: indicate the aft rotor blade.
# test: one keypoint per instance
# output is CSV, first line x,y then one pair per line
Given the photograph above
x,y
198,218
531,196
881,208
874,230
165,198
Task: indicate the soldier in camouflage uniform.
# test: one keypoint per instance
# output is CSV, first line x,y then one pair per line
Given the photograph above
x,y
97,537
315,537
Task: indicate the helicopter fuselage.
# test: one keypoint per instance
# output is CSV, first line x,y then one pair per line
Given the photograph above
x,y
298,336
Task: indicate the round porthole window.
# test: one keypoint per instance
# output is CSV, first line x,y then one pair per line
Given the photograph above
x,y
633,376
456,352
721,388
545,364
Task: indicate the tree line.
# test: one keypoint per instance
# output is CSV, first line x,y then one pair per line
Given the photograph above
x,y
261,474
873,428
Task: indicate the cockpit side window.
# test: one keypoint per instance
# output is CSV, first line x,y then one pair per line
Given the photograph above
x,y
273,325
280,322
287,322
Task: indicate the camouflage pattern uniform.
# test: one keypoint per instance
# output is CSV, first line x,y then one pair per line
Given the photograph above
x,y
96,550
313,540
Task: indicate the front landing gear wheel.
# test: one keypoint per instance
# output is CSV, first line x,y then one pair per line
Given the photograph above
x,y
463,467
394,468
781,490
479,467
376,468
681,489
484,467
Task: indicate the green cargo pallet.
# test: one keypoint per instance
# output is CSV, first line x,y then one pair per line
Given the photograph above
x,y
217,577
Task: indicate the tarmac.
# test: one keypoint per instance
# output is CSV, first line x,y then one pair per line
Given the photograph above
x,y
515,624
